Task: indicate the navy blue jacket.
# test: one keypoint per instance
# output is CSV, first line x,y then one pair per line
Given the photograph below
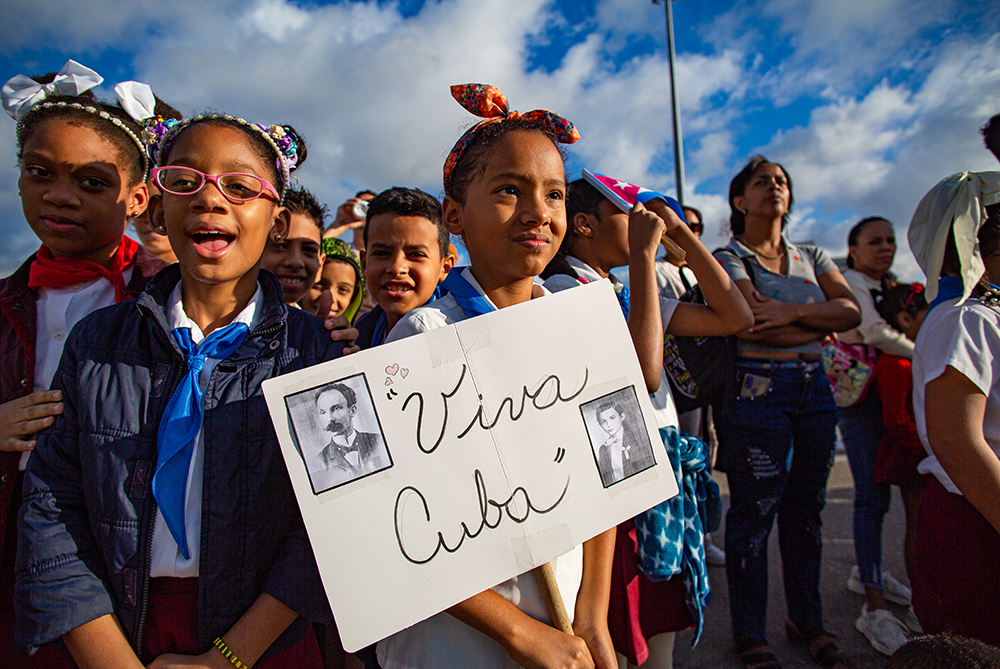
x,y
86,523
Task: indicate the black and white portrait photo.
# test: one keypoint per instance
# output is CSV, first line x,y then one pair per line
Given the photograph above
x,y
618,436
338,432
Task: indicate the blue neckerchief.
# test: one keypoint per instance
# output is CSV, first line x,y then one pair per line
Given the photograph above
x,y
621,292
470,301
949,287
379,334
180,423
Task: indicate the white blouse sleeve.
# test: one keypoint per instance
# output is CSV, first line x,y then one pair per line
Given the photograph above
x,y
874,330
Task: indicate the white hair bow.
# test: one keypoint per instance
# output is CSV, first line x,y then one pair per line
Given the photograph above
x,y
21,93
137,99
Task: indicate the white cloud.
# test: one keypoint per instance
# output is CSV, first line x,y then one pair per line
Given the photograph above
x,y
276,19
879,154
846,150
848,36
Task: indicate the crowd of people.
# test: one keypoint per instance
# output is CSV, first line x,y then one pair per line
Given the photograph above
x,y
146,515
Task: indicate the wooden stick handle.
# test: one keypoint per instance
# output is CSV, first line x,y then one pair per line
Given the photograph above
x,y
672,247
553,600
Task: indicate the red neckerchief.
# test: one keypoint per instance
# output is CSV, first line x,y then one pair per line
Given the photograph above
x,y
49,272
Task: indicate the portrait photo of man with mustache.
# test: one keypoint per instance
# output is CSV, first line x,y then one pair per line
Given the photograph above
x,y
349,454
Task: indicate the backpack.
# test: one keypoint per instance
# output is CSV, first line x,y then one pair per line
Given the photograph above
x,y
701,370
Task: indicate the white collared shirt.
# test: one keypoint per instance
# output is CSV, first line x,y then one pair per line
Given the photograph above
x,y
349,448
166,558
57,310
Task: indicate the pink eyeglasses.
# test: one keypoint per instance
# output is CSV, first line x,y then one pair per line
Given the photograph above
x,y
235,186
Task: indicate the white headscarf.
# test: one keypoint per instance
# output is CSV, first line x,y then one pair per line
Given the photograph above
x,y
957,203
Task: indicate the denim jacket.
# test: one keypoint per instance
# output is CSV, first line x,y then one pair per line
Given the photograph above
x,y
86,523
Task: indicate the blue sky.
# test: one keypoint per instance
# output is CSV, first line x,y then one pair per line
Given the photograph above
x,y
868,103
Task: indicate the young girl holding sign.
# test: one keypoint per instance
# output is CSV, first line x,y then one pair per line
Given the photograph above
x,y
505,191
646,613
158,516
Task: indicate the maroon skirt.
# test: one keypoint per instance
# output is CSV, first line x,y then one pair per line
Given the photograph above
x,y
957,581
896,464
641,608
172,627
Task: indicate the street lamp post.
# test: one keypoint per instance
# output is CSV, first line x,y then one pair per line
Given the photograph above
x,y
678,138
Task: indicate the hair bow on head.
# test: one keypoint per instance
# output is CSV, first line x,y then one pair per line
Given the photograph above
x,y
21,93
490,103
137,99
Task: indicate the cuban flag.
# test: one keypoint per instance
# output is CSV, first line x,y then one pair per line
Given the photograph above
x,y
624,194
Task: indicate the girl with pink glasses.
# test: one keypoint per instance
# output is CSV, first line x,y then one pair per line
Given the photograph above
x,y
159,526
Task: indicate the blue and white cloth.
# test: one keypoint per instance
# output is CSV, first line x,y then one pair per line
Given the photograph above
x,y
671,535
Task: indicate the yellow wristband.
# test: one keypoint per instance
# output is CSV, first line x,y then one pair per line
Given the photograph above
x,y
224,649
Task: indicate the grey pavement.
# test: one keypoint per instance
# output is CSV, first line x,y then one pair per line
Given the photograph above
x,y
840,607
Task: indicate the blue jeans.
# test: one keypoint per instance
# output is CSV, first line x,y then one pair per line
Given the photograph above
x,y
862,428
778,449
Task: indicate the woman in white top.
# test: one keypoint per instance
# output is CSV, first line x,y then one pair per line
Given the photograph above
x,y
871,250
955,233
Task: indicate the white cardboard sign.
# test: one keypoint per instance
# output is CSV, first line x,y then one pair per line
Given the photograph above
x,y
480,450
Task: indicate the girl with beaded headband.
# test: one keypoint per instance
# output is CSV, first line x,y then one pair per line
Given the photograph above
x,y
181,536
82,168
505,190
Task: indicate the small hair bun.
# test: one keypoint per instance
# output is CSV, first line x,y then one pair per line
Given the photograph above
x,y
300,143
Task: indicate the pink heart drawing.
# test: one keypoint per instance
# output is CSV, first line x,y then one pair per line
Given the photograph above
x,y
392,369
403,372
388,381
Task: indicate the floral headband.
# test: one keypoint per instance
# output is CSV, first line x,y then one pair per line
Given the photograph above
x,y
338,250
22,95
159,133
490,103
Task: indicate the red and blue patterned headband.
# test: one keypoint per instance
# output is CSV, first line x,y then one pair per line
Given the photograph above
x,y
490,103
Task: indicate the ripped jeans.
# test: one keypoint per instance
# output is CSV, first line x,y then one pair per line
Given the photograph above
x,y
777,445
